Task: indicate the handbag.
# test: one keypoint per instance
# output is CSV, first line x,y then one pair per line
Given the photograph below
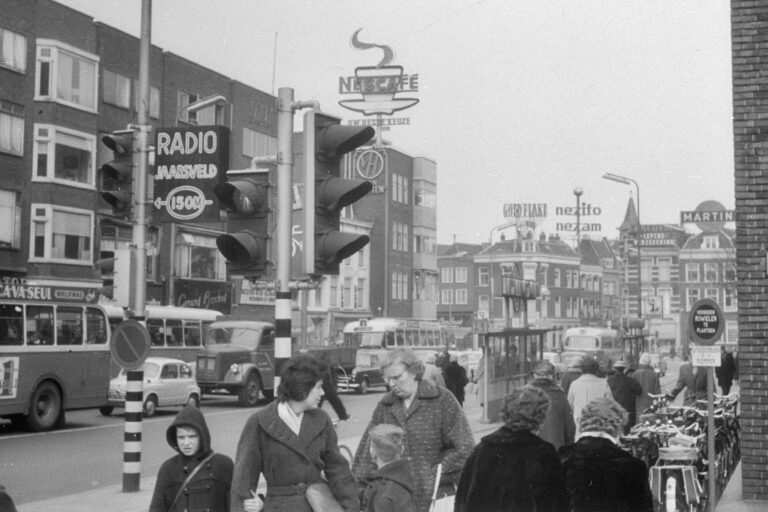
x,y
444,503
321,498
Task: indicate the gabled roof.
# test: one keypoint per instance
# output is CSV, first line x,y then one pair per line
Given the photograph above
x,y
725,236
552,246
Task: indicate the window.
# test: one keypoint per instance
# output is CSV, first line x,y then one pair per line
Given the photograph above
x,y
482,303
64,156
361,258
360,294
711,242
258,144
399,236
424,243
446,275
13,50
461,274
399,188
664,268
711,293
692,295
334,286
645,269
483,278
66,75
692,272
729,299
710,272
182,100
446,296
556,278
61,234
117,89
197,257
461,296
213,114
10,212
558,310
425,194
11,128
346,293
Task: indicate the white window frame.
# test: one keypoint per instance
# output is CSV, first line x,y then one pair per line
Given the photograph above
x,y
691,296
461,296
12,128
55,49
17,51
185,242
730,304
446,296
710,267
461,274
483,276
50,139
446,275
48,211
690,270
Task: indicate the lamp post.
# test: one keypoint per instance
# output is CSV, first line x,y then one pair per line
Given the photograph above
x,y
577,192
490,265
628,181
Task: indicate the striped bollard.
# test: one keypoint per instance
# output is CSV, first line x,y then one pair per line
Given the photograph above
x,y
134,408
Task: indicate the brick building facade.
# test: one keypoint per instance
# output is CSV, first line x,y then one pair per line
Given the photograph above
x,y
749,29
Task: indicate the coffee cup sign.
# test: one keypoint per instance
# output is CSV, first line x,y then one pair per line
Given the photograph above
x,y
705,321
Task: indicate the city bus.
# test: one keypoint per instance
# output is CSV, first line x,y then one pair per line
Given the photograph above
x,y
54,353
603,344
375,336
174,331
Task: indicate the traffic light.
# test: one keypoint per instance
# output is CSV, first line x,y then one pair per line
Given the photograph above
x,y
246,245
117,174
325,142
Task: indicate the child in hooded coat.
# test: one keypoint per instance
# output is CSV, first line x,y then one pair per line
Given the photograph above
x,y
209,487
388,489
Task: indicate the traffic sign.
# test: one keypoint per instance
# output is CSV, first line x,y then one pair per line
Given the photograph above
x,y
130,344
705,321
705,356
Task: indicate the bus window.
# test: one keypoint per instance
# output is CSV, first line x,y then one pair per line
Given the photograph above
x,y
11,321
40,325
174,334
69,325
156,330
400,338
192,333
96,326
389,340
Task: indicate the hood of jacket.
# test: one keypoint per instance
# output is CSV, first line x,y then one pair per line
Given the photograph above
x,y
397,471
190,416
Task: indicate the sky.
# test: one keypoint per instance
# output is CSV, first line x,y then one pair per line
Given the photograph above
x,y
520,101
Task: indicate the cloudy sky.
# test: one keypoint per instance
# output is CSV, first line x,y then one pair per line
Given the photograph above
x,y
520,101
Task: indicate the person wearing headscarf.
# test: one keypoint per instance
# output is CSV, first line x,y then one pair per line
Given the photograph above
x,y
558,427
208,488
513,469
601,476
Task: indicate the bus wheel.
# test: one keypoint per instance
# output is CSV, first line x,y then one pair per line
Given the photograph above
x,y
194,400
150,406
45,408
106,410
363,389
249,393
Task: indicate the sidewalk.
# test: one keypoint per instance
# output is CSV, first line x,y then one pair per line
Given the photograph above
x,y
112,499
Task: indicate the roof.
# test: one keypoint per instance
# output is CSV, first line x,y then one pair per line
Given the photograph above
x,y
631,219
725,237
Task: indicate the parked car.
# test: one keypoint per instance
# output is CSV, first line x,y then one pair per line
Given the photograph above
x,y
168,382
659,364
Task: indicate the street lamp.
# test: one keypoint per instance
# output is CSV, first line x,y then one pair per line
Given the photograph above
x,y
490,260
628,181
577,192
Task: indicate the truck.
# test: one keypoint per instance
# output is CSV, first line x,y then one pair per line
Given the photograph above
x,y
238,358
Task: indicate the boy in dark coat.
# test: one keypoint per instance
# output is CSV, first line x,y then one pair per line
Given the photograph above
x,y
388,489
558,427
209,487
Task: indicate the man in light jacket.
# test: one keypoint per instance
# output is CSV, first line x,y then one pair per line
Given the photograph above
x,y
587,387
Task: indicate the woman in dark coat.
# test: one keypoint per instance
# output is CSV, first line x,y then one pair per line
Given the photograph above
x,y
292,443
600,476
209,487
514,470
436,429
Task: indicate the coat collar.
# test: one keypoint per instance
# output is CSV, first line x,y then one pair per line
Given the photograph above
x,y
424,393
312,425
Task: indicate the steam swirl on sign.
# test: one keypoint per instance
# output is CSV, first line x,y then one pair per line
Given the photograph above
x,y
389,55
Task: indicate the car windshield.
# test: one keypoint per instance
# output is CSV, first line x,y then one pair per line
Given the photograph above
x,y
582,342
243,337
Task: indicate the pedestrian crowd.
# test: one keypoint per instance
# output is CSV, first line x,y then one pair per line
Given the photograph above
x,y
556,450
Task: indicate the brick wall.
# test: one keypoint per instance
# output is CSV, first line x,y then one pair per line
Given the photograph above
x,y
749,33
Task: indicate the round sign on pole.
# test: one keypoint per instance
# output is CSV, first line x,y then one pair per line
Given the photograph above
x,y
130,344
705,321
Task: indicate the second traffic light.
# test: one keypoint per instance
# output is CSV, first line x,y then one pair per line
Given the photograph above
x,y
117,174
325,143
246,245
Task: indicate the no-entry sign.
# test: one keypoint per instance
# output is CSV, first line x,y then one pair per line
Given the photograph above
x,y
130,344
705,321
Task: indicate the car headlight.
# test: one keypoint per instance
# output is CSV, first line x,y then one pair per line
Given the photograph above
x,y
235,368
354,374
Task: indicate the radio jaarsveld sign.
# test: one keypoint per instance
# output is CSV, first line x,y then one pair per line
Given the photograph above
x,y
189,162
